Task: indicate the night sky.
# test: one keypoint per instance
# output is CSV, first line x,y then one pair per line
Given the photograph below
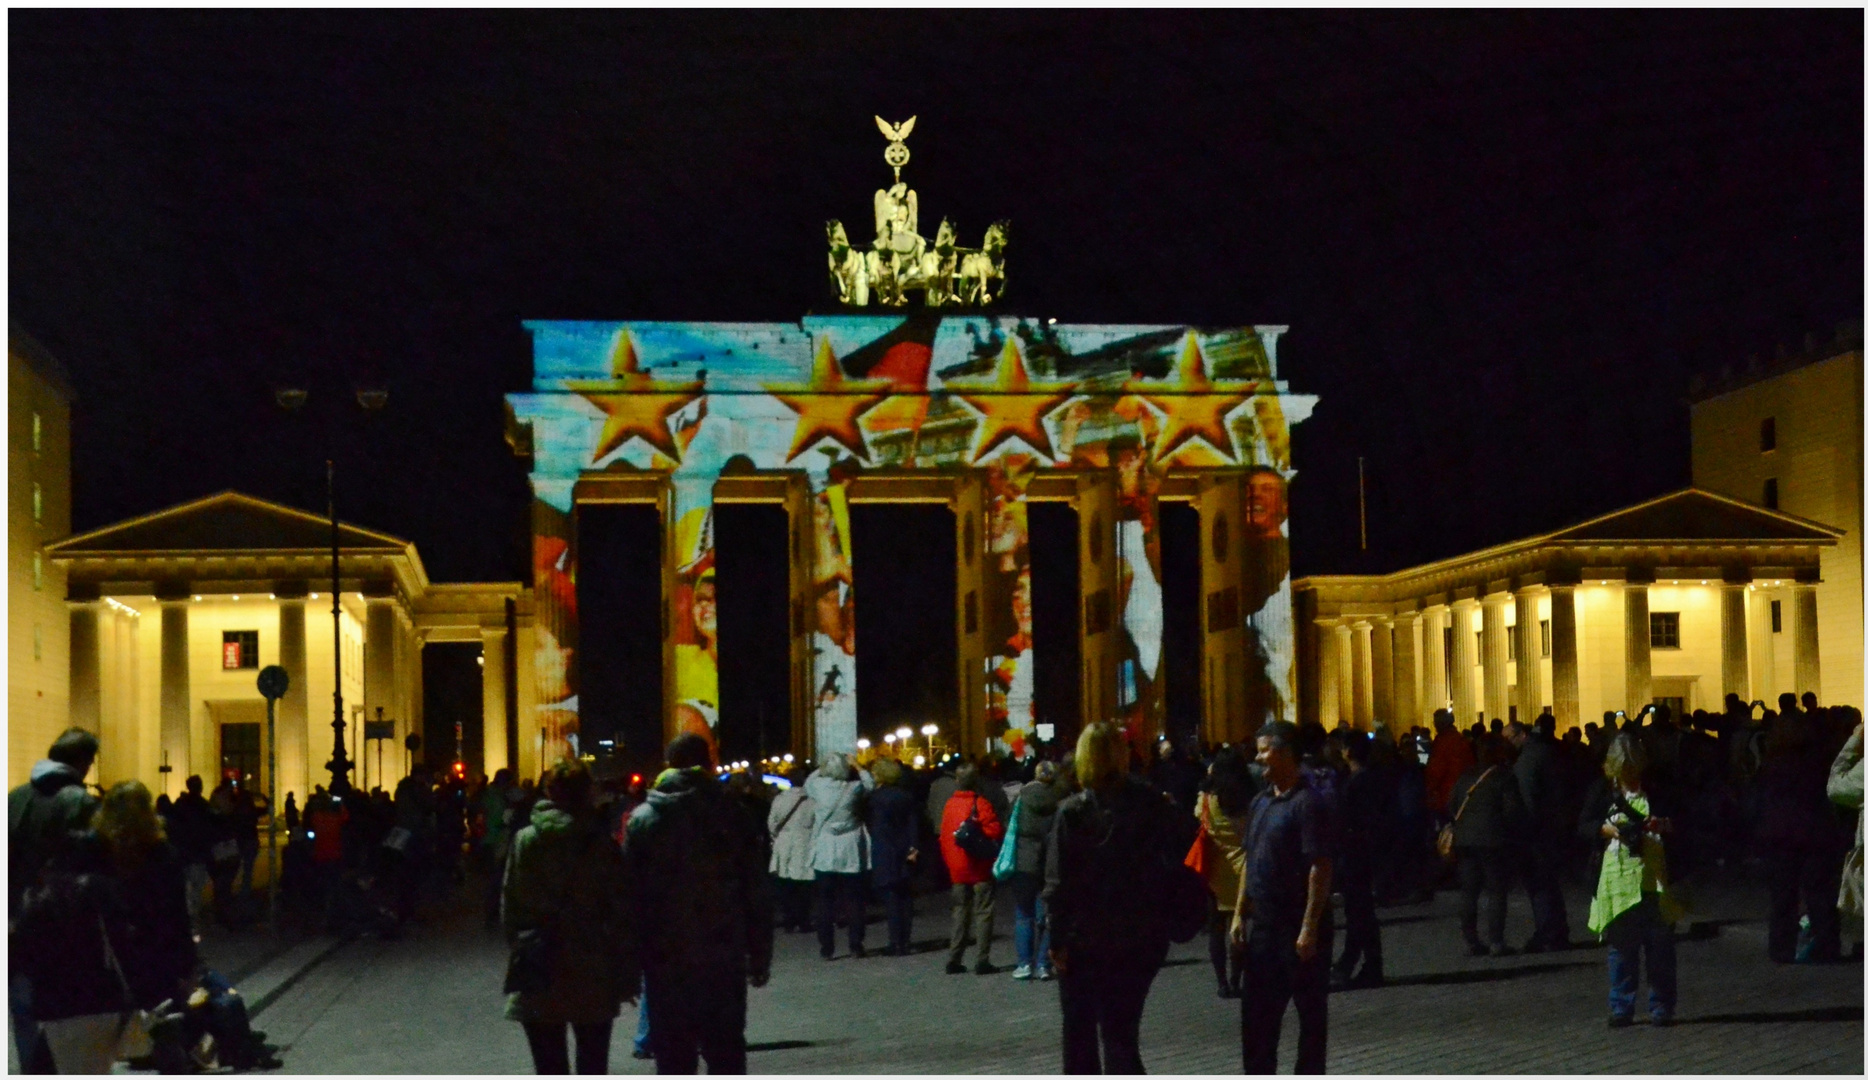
x,y
1503,242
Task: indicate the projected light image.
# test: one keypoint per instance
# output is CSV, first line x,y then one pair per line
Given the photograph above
x,y
842,398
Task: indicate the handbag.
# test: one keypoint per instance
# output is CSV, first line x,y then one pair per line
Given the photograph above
x,y
970,836
1007,863
1445,840
528,969
1201,855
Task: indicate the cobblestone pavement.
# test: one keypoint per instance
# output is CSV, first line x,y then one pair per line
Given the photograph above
x,y
429,1003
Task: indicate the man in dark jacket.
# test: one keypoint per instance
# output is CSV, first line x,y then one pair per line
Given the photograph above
x,y
191,830
1487,835
701,911
1368,803
1548,828
43,815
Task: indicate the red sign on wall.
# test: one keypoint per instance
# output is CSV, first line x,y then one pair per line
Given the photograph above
x,y
230,655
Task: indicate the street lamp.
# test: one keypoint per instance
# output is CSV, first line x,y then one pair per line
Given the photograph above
x,y
291,399
930,730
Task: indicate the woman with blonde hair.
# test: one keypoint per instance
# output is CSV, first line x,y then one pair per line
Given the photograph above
x,y
893,820
1109,934
1636,904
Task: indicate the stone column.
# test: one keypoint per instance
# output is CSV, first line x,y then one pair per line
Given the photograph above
x,y
294,724
1329,675
1362,674
87,684
1808,657
1407,681
1530,651
1433,661
1734,662
1639,644
494,753
1565,689
1382,659
177,705
1098,625
379,682
969,516
1222,560
1497,658
1466,702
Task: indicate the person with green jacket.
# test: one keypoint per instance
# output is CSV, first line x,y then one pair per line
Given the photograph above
x,y
565,907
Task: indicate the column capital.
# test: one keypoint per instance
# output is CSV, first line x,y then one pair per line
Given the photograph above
x,y
1639,575
290,590
1465,603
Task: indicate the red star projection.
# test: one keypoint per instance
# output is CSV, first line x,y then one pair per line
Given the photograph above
x,y
635,404
1010,404
1193,406
830,406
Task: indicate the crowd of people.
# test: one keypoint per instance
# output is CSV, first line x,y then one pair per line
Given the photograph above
x,y
668,892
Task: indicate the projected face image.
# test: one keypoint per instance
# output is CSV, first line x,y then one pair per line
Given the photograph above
x,y
1264,504
1021,603
706,612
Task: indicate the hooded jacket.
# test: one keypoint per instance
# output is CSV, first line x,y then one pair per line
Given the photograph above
x,y
42,815
1036,809
697,864
565,876
1105,868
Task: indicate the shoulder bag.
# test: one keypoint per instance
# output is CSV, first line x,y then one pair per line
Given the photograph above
x,y
970,836
1007,863
1201,855
1444,842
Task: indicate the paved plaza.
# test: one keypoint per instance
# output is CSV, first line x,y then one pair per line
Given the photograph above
x,y
430,1003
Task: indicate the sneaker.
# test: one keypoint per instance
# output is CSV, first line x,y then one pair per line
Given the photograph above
x,y
955,967
1045,974
985,967
1022,971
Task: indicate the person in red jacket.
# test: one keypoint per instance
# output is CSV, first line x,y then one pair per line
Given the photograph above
x,y
1447,761
971,872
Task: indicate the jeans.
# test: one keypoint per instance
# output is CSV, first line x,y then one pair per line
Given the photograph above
x,y
551,1057
899,901
35,1054
1104,997
1031,926
1634,932
1275,978
1551,917
972,906
642,1046
1483,869
1812,876
1362,933
831,887
700,1012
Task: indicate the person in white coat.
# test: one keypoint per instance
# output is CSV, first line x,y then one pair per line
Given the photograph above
x,y
792,820
839,850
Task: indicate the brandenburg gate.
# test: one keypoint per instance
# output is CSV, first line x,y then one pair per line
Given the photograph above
x,y
942,403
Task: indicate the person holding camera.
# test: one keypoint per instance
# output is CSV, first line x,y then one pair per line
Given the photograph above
x,y
1636,903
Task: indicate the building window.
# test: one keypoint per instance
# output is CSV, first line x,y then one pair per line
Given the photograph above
x,y
1478,644
1770,493
38,571
239,649
1511,646
1663,629
1767,435
38,435
1777,616
38,502
1543,635
38,642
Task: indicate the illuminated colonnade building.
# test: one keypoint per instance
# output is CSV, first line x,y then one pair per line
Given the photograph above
x,y
171,616
983,414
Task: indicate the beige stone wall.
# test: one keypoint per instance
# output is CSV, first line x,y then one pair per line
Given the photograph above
x,y
1699,656
1601,651
38,626
1818,468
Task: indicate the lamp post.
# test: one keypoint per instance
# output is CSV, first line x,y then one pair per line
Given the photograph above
x,y
370,401
930,730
